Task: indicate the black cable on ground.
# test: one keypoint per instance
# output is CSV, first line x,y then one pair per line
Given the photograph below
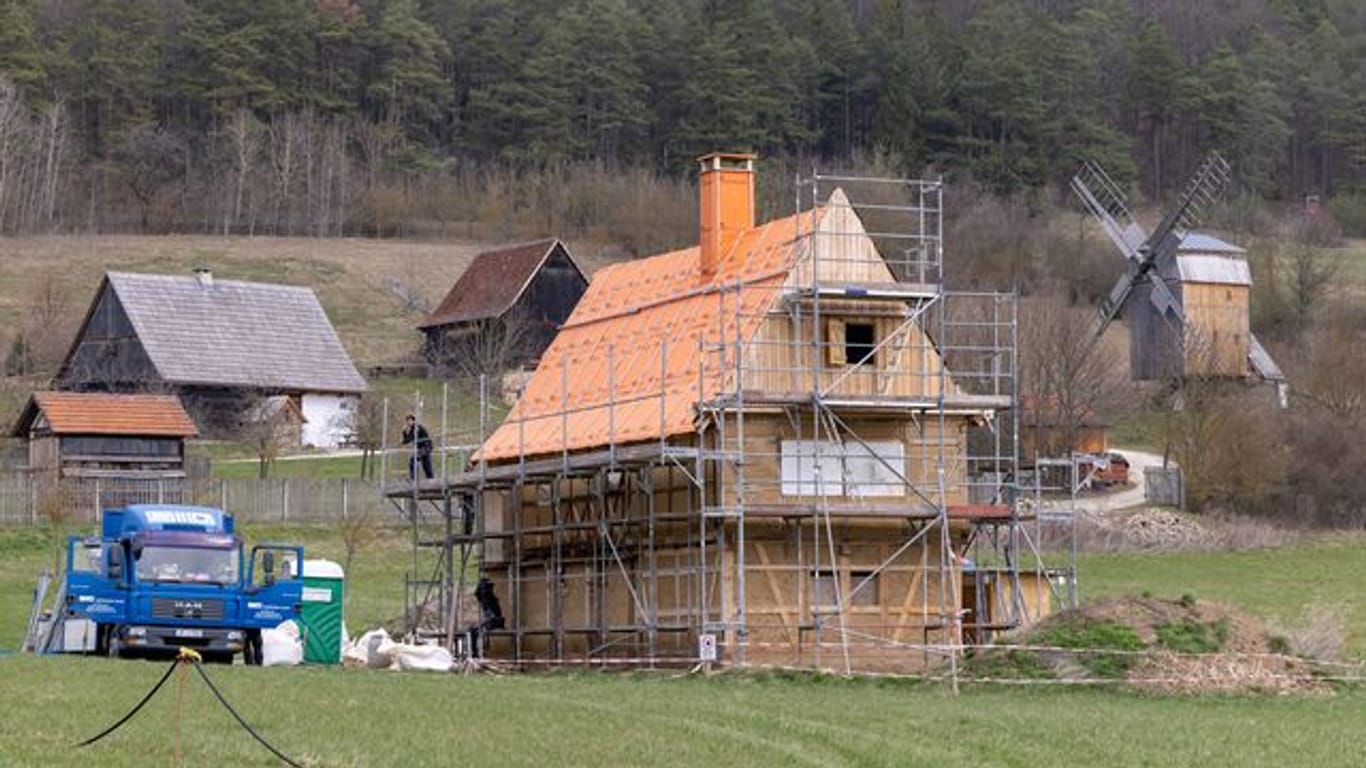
x,y
190,657
200,669
134,710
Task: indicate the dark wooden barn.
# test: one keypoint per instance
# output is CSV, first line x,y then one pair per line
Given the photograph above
x,y
505,309
222,346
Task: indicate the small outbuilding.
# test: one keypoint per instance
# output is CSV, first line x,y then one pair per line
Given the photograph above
x,y
221,346
505,309
1049,430
99,435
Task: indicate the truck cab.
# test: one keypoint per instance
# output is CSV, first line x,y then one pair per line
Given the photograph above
x,y
161,577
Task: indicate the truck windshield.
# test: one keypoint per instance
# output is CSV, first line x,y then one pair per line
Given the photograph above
x,y
195,565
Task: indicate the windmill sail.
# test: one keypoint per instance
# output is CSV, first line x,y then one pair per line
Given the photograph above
x,y
1108,203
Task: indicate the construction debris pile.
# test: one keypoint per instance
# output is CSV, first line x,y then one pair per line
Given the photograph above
x,y
1165,530
376,650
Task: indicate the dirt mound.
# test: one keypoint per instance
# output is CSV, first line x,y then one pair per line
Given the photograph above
x,y
1170,646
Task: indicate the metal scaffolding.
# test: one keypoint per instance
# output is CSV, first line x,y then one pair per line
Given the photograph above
x,y
776,531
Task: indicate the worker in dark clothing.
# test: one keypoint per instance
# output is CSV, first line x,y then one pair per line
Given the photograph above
x,y
416,433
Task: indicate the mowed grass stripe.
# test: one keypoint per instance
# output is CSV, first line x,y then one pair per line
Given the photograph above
x,y
334,717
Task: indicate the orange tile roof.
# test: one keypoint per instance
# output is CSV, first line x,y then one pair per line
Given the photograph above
x,y
636,312
93,413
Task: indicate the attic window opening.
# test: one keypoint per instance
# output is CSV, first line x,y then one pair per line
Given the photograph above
x,y
860,339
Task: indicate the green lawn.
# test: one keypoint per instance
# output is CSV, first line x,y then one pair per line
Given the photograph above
x,y
336,717
1276,584
312,466
462,415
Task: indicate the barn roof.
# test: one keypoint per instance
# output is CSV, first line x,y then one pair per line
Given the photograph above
x,y
92,413
635,313
235,333
493,282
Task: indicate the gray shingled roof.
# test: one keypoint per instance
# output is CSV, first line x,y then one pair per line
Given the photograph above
x,y
236,333
1199,242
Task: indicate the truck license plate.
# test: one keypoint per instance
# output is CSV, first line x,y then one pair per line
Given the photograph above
x,y
189,633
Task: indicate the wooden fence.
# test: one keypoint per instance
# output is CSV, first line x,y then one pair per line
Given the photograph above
x,y
26,499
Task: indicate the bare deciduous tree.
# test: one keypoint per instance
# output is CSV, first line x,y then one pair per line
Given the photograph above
x,y
268,429
488,348
367,431
244,140
358,533
1064,381
150,156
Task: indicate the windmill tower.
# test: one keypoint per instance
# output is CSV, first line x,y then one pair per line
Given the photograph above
x,y
1185,295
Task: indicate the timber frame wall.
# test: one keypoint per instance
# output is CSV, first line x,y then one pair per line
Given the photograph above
x,y
641,554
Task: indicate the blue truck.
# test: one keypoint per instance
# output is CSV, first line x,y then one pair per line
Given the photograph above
x,y
165,576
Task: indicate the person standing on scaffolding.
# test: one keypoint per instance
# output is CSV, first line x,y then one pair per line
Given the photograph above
x,y
415,434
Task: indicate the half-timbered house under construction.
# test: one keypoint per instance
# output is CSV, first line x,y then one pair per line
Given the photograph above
x,y
763,445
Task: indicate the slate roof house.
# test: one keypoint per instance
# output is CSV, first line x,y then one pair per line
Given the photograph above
x,y
221,345
506,306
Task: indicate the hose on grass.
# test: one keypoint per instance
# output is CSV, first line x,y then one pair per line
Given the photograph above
x,y
200,669
135,709
188,656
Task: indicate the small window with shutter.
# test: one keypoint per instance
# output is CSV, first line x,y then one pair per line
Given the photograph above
x,y
850,342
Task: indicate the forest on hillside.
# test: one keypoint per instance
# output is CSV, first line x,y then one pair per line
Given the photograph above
x,y
329,117
501,119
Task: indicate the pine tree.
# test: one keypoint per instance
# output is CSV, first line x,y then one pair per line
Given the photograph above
x,y
409,86
21,57
1157,80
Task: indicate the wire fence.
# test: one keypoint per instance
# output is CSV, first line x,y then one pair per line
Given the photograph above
x,y
26,498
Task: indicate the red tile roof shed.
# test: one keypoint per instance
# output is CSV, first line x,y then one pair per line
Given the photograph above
x,y
96,413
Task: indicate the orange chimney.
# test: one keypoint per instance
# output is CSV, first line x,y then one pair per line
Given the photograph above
x,y
727,204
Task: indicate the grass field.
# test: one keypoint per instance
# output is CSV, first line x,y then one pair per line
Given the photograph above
x,y
1276,584
333,717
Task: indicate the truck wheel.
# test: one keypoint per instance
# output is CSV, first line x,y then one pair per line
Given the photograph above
x,y
251,652
114,645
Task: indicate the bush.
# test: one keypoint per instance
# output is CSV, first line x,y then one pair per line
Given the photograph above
x,y
1093,637
1319,633
1007,665
1191,636
1350,212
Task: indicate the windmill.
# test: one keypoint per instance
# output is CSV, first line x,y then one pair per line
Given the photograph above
x,y
1185,295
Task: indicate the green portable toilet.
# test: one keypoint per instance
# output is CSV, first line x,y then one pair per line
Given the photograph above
x,y
322,611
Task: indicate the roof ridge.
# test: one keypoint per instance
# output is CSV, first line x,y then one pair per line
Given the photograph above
x,y
217,280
